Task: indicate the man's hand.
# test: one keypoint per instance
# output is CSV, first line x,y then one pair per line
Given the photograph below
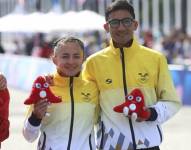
x,y
140,119
3,82
40,108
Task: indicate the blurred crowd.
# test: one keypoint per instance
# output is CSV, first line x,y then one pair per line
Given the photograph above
x,y
41,45
176,46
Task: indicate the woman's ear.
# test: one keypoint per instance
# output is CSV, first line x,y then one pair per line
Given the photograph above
x,y
84,57
106,27
54,59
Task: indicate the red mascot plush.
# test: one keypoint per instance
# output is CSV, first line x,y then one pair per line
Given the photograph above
x,y
41,90
134,106
4,114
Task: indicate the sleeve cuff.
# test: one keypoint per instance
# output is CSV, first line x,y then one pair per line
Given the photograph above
x,y
153,115
34,121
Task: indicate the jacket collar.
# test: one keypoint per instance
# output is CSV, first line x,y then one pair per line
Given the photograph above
x,y
133,48
64,81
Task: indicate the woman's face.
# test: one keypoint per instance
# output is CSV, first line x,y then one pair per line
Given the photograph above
x,y
68,59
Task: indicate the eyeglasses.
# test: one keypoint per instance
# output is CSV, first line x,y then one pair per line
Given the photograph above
x,y
115,23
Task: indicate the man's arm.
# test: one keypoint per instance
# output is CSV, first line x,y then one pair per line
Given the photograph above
x,y
165,110
168,102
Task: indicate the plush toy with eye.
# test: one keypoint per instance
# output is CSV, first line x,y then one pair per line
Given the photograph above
x,y
134,106
41,90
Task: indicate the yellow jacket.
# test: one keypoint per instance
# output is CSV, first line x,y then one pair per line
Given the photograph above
x,y
70,122
117,72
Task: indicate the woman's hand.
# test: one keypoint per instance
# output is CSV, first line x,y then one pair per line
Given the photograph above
x,y
40,108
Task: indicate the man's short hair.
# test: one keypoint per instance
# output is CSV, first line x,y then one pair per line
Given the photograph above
x,y
119,5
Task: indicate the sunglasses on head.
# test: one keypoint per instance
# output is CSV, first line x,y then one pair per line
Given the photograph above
x,y
127,22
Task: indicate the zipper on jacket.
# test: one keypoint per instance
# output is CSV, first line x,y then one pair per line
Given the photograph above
x,y
72,113
125,92
159,133
102,135
90,143
44,141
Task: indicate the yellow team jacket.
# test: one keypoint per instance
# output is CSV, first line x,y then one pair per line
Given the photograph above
x,y
117,72
70,124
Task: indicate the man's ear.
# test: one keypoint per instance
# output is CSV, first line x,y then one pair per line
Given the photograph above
x,y
136,24
106,27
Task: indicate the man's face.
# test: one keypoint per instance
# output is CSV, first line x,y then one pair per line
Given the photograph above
x,y
68,59
121,31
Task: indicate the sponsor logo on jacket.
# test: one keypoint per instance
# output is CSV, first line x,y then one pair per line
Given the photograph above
x,y
143,77
86,96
